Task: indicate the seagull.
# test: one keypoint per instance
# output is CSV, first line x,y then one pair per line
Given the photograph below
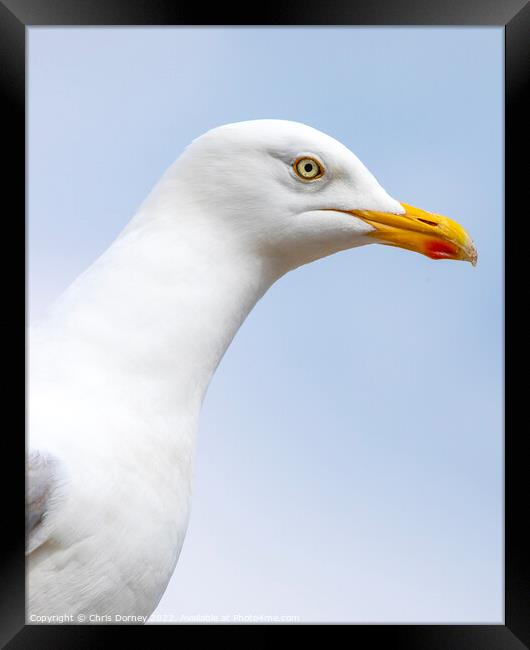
x,y
119,365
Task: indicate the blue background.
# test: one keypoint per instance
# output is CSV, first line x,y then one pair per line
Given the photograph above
x,y
350,452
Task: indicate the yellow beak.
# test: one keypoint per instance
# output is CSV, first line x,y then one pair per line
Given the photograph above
x,y
423,232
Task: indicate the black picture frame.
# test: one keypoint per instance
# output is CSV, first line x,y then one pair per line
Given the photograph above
x,y
514,16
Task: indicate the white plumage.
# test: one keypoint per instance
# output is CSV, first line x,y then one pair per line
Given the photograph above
x,y
119,367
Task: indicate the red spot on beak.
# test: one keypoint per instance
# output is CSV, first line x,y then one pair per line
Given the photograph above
x,y
437,249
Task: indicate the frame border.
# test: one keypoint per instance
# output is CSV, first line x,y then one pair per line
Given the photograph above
x,y
514,15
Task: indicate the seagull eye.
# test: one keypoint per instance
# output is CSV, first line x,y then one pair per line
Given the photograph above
x,y
308,169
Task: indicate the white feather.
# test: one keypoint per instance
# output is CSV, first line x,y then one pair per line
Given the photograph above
x,y
120,366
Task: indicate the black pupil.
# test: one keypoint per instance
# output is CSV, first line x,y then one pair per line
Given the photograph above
x,y
308,167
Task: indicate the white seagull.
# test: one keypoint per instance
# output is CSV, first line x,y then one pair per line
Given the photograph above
x,y
119,367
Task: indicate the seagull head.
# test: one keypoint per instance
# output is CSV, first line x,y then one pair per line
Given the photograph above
x,y
294,194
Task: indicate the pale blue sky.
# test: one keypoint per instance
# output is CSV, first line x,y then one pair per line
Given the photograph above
x,y
349,465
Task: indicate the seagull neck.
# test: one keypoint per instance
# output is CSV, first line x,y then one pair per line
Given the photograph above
x,y
163,303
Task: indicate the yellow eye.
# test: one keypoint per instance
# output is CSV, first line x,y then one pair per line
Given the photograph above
x,y
308,169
